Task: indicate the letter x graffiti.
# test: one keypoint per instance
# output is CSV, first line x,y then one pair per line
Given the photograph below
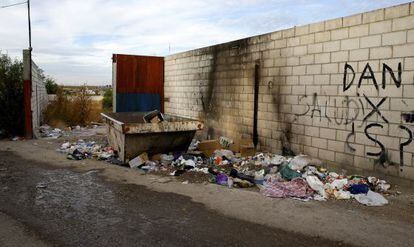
x,y
375,108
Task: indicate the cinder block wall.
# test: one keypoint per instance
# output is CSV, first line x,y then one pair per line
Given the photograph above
x,y
317,94
40,98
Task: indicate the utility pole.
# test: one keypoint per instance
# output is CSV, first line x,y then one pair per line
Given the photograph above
x,y
30,26
30,39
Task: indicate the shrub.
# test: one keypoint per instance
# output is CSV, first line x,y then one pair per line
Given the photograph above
x,y
56,113
11,96
80,108
51,86
69,111
107,100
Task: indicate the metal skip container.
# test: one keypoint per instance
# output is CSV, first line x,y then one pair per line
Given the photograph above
x,y
130,135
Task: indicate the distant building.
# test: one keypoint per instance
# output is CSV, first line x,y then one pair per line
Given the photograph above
x,y
90,92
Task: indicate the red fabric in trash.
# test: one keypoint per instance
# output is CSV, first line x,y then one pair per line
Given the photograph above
x,y
298,187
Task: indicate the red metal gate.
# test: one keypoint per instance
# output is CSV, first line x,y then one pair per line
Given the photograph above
x,y
138,83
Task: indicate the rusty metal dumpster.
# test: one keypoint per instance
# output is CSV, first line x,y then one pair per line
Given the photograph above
x,y
131,136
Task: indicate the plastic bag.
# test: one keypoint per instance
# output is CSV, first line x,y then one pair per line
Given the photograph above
x,y
342,195
259,177
228,154
339,183
299,162
288,173
221,179
359,189
371,199
277,160
166,159
316,185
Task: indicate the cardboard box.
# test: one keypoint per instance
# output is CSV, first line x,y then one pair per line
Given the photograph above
x,y
243,146
208,147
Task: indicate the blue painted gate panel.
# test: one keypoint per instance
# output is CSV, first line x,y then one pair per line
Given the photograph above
x,y
129,102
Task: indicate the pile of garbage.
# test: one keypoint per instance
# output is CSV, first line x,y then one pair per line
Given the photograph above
x,y
81,150
46,131
300,177
238,166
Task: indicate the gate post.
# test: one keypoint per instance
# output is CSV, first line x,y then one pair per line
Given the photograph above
x,y
27,94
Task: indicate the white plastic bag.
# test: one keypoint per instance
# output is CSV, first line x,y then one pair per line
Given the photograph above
x,y
316,185
299,162
224,152
342,195
339,183
277,160
371,199
166,159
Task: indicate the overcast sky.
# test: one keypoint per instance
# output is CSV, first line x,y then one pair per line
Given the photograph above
x,y
73,40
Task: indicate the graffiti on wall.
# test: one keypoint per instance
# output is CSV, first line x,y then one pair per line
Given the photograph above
x,y
356,111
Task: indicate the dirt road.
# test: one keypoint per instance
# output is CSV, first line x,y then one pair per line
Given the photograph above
x,y
54,201
67,208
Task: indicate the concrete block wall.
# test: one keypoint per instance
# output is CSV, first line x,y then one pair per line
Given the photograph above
x,y
39,98
341,90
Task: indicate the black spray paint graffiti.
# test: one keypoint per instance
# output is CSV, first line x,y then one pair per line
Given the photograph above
x,y
349,137
348,110
406,143
368,74
375,108
345,108
371,76
371,125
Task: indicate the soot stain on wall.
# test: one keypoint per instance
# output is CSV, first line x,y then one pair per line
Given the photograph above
x,y
230,58
285,126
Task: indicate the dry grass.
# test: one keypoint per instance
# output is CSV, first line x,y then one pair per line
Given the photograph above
x,y
77,110
95,111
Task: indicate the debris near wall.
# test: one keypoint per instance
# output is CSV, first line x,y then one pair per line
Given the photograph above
x,y
299,177
81,150
233,163
46,131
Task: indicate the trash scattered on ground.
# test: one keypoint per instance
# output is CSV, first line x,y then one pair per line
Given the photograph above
x,y
17,138
342,195
317,186
297,187
46,131
371,199
300,177
221,162
138,161
81,150
358,189
41,186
